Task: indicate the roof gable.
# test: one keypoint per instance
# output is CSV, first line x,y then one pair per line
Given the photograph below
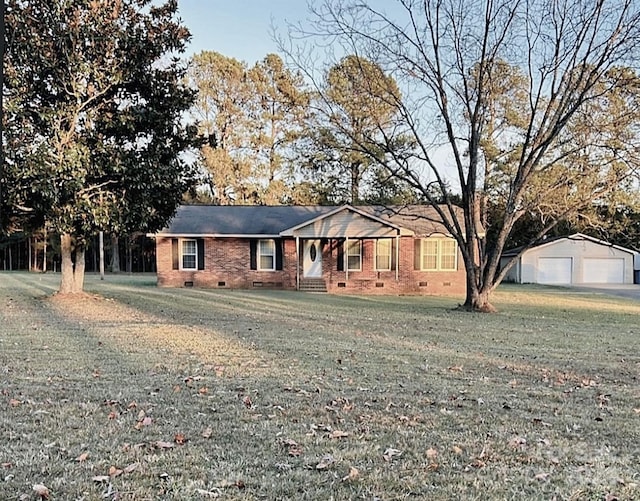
x,y
346,221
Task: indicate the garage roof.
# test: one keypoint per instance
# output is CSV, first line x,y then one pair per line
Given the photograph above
x,y
576,236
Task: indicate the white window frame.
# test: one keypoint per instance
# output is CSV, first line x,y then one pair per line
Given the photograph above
x,y
183,254
260,254
442,255
348,254
439,255
389,243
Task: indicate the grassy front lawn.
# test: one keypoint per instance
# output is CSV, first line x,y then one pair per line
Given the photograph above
x,y
140,393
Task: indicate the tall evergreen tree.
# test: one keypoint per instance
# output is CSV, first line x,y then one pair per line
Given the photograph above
x,y
251,117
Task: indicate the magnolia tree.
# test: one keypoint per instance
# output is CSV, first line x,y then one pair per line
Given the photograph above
x,y
514,106
93,122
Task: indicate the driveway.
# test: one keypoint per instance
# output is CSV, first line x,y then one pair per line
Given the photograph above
x,y
631,291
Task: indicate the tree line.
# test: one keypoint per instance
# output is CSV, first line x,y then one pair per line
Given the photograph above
x,y
524,114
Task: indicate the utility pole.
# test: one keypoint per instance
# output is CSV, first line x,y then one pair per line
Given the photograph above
x,y
101,237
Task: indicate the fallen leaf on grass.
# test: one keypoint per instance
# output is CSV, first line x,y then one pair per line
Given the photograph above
x,y
207,433
456,368
209,494
100,478
432,453
112,415
456,450
325,462
114,472
352,475
180,439
41,491
637,411
82,457
517,442
247,402
131,468
543,423
390,453
293,447
14,402
160,444
203,391
338,434
542,476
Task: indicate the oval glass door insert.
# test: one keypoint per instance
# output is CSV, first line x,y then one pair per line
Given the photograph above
x,y
313,253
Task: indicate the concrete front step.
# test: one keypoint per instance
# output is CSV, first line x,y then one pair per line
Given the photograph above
x,y
313,285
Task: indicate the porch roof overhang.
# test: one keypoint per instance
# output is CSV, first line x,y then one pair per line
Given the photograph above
x,y
346,222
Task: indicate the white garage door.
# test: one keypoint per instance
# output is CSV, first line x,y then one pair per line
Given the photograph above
x,y
554,270
603,271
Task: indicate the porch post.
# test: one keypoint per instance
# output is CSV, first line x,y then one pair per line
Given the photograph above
x,y
297,263
397,255
345,257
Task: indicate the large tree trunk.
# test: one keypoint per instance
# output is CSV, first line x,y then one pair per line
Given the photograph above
x,y
72,273
78,272
115,254
477,298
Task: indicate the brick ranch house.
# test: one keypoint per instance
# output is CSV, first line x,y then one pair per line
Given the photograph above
x,y
346,249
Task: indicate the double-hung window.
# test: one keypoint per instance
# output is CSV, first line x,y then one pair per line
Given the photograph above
x,y
189,254
266,255
439,254
354,255
383,254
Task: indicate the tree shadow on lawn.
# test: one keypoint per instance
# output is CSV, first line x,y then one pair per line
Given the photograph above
x,y
258,389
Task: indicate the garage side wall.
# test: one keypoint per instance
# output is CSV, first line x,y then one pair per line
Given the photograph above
x,y
579,261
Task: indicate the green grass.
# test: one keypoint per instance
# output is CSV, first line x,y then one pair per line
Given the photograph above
x,y
140,393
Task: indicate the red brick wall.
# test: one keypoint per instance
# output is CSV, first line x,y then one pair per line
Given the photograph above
x,y
226,264
410,281
227,261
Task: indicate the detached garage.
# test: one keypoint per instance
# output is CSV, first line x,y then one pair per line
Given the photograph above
x,y
575,259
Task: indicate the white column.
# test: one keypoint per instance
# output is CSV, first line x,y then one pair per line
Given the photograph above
x,y
397,255
297,263
345,259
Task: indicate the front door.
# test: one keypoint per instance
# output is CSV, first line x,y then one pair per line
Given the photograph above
x,y
312,259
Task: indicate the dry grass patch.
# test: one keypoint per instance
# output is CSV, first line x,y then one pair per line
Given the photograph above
x,y
146,393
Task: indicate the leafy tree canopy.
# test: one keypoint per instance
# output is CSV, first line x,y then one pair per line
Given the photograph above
x,y
94,129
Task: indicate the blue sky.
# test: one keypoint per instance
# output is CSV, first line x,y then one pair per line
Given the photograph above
x,y
238,28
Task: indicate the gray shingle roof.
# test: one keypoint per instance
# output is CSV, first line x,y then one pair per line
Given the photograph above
x,y
240,219
271,220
